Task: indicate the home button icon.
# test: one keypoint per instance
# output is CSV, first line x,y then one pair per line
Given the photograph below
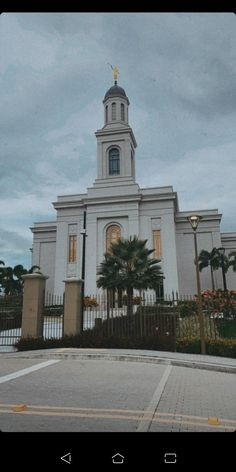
x,y
117,458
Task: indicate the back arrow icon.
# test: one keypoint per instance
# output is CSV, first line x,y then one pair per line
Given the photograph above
x,y
67,458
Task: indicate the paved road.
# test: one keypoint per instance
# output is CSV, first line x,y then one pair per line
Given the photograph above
x,y
66,392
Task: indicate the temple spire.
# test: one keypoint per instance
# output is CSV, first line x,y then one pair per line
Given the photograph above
x,y
115,73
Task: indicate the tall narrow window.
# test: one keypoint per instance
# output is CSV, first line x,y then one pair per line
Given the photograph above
x,y
113,111
132,163
157,243
122,111
72,248
114,162
113,233
106,114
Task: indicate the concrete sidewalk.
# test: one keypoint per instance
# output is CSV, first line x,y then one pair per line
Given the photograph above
x,y
219,364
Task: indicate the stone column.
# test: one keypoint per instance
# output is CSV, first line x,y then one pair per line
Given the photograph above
x,y
72,306
33,304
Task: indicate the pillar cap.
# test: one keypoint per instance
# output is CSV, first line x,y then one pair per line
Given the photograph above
x,y
35,275
72,279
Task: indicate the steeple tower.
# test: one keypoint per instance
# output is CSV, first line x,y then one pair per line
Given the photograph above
x,y
115,141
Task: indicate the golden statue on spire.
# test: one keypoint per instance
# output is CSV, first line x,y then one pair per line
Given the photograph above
x,y
115,72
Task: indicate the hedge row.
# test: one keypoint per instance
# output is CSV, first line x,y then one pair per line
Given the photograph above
x,y
219,347
214,347
90,341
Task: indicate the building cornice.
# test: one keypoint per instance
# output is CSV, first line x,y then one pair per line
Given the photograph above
x,y
116,131
137,197
231,236
43,229
207,215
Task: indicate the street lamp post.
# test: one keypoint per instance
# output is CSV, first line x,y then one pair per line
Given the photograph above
x,y
221,251
83,232
194,220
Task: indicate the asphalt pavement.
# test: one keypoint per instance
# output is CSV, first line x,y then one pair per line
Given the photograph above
x,y
116,390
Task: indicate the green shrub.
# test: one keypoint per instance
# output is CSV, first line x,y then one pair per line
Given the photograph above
x,y
187,308
226,327
87,340
222,347
10,319
53,310
155,309
188,344
218,347
214,347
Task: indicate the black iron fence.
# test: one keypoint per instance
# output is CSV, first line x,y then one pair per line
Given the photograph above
x,y
53,319
104,316
108,315
10,320
170,318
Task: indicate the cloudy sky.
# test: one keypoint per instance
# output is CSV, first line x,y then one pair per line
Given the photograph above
x,y
179,72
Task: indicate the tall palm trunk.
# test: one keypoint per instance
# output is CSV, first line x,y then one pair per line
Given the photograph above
x,y
130,301
212,278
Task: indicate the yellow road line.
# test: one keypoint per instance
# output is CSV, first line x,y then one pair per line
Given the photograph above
x,y
180,415
112,417
47,407
177,416
192,423
131,415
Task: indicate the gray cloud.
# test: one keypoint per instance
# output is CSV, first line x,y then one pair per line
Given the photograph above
x,y
179,73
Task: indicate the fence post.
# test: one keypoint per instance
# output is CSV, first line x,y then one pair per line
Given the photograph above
x,y
33,304
72,306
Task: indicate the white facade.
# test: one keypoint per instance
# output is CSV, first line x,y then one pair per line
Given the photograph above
x,y
116,198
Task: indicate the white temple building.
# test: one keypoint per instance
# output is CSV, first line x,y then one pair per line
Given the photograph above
x,y
116,207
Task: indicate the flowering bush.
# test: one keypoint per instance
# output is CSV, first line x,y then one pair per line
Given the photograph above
x,y
89,302
220,303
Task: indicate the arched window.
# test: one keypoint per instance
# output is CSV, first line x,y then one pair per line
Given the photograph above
x,y
114,161
122,111
113,234
113,111
106,117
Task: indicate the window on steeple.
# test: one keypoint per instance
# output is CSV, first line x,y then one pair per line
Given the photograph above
x,y
106,114
122,111
114,161
113,111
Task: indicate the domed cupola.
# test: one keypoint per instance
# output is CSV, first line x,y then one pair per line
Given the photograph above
x,y
116,104
115,91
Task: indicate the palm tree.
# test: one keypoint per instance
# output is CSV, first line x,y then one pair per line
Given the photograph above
x,y
1,274
232,255
212,259
11,278
128,266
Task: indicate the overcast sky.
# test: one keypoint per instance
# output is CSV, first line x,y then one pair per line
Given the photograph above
x,y
179,72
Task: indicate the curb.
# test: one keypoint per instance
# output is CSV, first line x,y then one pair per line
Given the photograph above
x,y
133,358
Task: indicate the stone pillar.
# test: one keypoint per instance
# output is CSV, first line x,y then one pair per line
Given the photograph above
x,y
33,304
72,306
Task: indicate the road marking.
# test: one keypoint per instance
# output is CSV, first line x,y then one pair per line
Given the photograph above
x,y
124,413
194,423
21,372
129,415
70,408
145,423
